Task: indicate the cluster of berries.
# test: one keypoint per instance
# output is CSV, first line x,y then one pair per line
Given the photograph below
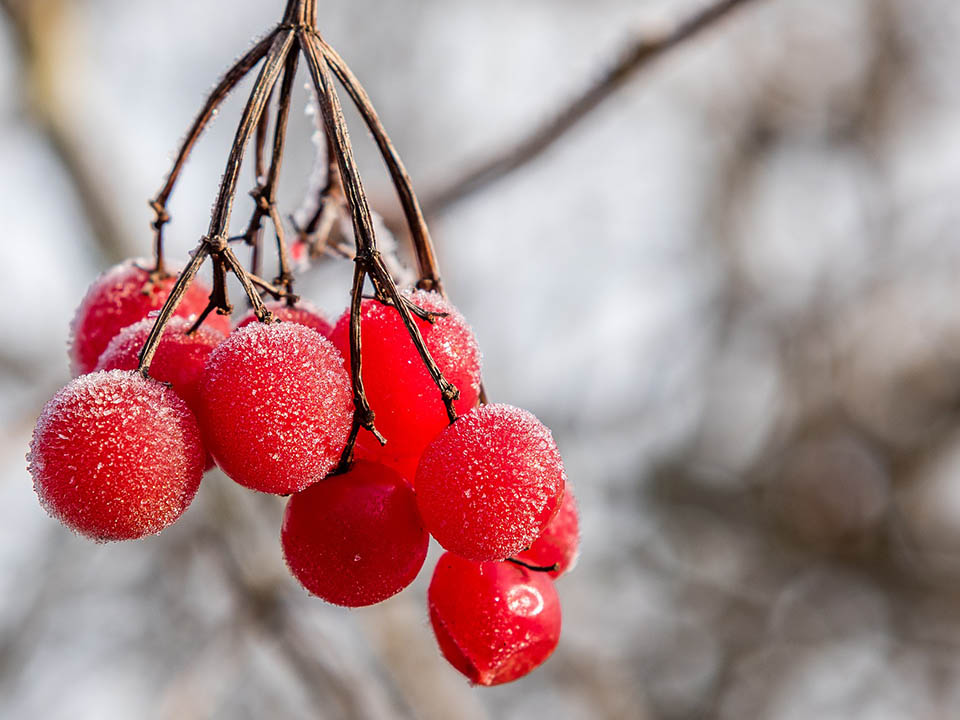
x,y
117,455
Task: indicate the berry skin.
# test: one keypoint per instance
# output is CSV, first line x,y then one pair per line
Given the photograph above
x,y
409,410
355,539
494,622
115,456
488,485
121,296
276,406
303,313
369,448
179,359
560,541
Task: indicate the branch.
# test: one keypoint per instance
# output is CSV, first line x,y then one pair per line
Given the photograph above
x,y
643,51
229,81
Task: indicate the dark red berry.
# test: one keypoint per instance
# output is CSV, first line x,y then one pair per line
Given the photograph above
x,y
409,410
369,448
355,539
494,622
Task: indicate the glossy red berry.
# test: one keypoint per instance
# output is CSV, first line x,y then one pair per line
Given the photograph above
x,y
369,448
121,296
559,544
488,484
494,622
276,406
409,410
355,539
115,456
179,359
303,313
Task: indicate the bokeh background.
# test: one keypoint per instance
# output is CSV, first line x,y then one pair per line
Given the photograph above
x,y
732,292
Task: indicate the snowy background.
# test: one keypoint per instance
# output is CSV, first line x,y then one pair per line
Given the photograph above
x,y
732,292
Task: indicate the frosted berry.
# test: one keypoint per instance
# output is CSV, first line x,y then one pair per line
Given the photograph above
x,y
409,410
121,296
489,483
276,406
355,539
115,456
303,313
179,359
494,622
559,544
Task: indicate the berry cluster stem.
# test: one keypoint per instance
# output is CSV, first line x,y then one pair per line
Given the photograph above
x,y
280,52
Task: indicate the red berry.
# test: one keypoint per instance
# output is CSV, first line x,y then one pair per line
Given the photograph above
x,y
560,542
115,456
179,359
121,296
369,448
355,539
303,313
276,406
409,410
494,622
488,485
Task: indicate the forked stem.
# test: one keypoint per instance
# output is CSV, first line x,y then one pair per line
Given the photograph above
x,y
279,52
216,240
368,260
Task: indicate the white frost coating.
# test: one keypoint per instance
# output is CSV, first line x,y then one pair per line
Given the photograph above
x,y
318,175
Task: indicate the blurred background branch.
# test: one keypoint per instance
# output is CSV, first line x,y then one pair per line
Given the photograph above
x,y
42,32
649,44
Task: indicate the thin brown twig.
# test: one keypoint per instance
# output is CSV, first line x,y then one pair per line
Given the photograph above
x,y
229,81
368,260
641,52
429,271
268,195
254,235
216,241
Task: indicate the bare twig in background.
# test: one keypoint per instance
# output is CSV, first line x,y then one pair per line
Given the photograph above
x,y
40,27
647,47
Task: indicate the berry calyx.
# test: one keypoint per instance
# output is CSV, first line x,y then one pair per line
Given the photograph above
x,y
494,621
115,456
559,544
355,539
489,483
179,360
303,313
121,296
276,406
408,407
